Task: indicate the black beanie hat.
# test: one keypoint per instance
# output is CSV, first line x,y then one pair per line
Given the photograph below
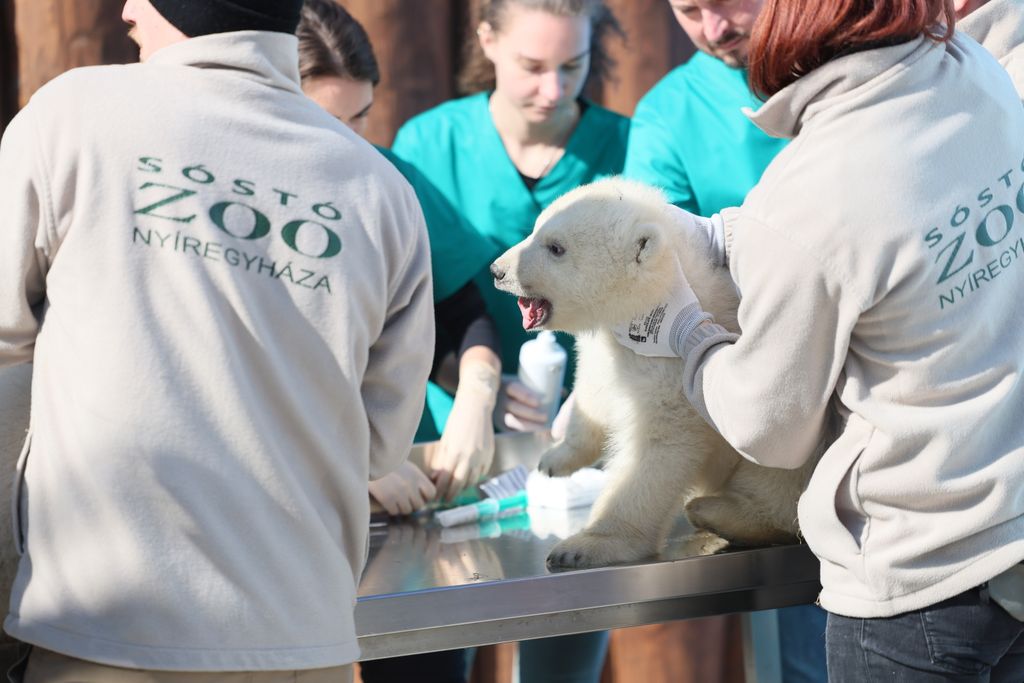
x,y
202,17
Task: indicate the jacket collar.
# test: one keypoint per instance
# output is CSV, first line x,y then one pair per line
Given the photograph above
x,y
264,57
785,113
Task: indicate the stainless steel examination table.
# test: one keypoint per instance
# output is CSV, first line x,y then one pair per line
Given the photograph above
x,y
426,588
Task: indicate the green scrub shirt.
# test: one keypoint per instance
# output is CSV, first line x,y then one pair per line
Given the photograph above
x,y
457,147
457,253
691,138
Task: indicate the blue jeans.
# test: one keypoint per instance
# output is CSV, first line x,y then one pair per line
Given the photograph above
x,y
577,658
802,644
965,638
448,666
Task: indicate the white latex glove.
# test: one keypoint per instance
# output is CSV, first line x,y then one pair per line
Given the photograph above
x,y
710,231
404,491
662,331
467,446
518,407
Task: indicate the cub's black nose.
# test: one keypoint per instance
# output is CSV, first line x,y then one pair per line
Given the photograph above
x,y
497,271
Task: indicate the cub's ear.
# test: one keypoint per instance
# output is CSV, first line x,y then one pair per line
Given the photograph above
x,y
647,242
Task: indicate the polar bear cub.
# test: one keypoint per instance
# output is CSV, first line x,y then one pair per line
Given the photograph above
x,y
598,256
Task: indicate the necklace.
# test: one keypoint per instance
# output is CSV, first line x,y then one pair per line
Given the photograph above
x,y
556,149
551,160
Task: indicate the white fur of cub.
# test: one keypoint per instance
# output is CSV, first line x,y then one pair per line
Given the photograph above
x,y
599,256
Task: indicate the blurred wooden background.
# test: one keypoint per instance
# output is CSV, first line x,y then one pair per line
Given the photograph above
x,y
418,44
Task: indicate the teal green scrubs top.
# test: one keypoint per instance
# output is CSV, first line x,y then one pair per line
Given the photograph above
x,y
691,138
458,148
457,253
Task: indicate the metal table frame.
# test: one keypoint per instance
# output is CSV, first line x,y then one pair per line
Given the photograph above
x,y
586,600
494,590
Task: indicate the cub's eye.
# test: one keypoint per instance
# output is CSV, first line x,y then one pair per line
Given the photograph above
x,y
556,249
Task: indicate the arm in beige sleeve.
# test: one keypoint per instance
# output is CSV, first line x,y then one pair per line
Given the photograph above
x,y
23,241
394,385
767,390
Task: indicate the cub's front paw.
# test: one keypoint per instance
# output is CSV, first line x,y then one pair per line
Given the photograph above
x,y
558,461
587,549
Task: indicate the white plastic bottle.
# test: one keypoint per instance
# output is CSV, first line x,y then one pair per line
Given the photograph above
x,y
542,368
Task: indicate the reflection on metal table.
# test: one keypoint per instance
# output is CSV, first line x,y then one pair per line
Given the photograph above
x,y
427,588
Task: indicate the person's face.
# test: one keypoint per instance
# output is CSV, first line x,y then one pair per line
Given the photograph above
x,y
345,99
149,29
720,28
540,60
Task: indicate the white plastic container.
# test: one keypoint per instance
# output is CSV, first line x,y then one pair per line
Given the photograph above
x,y
542,368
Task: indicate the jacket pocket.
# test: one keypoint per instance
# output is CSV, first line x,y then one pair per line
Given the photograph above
x,y
19,507
831,519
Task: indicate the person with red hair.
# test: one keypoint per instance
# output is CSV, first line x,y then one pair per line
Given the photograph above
x,y
879,260
693,112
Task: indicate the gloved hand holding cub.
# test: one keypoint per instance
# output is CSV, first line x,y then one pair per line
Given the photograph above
x,y
662,331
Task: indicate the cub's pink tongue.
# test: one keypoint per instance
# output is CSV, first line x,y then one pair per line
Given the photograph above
x,y
532,309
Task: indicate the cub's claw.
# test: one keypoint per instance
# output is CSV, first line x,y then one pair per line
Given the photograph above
x,y
585,550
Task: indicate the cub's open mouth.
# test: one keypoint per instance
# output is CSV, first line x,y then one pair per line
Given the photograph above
x,y
535,311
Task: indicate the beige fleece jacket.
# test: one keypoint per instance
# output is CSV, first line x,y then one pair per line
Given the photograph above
x,y
880,262
227,298
999,26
